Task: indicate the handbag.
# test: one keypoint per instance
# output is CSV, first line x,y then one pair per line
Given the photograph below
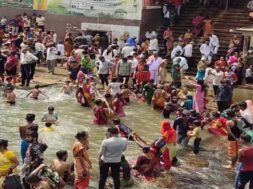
x,y
12,181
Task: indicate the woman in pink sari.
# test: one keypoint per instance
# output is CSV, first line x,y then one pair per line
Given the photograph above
x,y
199,97
118,106
197,24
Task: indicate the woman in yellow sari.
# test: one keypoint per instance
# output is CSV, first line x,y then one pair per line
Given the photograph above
x,y
82,162
159,98
8,161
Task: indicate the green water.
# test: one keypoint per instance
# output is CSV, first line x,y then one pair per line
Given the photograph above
x,y
73,118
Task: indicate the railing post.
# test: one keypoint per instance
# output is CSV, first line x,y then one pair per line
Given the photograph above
x,y
227,6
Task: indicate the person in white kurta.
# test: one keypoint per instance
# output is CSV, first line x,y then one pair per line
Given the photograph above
x,y
177,50
153,44
214,44
206,51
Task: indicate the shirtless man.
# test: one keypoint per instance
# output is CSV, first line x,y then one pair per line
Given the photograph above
x,y
30,126
61,166
67,88
7,85
36,181
10,96
35,93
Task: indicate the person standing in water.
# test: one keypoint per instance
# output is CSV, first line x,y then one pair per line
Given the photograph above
x,y
245,159
61,166
30,126
82,162
110,157
36,92
50,116
10,96
67,88
8,161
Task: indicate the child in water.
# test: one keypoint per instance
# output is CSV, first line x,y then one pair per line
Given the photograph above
x,y
10,96
67,88
195,133
48,128
36,92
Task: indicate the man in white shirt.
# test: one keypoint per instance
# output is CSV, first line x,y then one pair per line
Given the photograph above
x,y
111,151
134,63
126,50
249,75
214,44
26,59
40,20
52,55
60,48
205,51
154,63
245,113
3,22
39,50
182,63
27,22
177,49
218,75
151,34
188,48
153,44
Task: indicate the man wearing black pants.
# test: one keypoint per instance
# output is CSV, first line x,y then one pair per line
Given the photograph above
x,y
26,60
110,157
123,70
223,97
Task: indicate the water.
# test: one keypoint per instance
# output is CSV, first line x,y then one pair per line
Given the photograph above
x,y
204,171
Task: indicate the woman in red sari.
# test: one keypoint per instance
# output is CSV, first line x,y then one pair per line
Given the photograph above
x,y
11,66
100,113
142,74
168,135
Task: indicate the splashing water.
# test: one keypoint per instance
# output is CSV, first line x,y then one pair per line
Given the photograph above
x,y
204,171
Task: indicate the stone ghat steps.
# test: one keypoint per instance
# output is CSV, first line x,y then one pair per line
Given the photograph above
x,y
224,22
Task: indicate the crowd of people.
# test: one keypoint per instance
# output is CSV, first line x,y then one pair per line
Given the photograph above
x,y
128,70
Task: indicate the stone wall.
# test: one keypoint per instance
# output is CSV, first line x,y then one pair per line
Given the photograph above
x,y
151,18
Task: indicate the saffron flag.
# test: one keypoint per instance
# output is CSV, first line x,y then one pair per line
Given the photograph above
x,y
39,4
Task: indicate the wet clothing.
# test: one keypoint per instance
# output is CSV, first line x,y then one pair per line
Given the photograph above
x,y
50,117
99,119
247,163
168,135
82,165
180,125
224,95
245,172
141,164
149,92
124,130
